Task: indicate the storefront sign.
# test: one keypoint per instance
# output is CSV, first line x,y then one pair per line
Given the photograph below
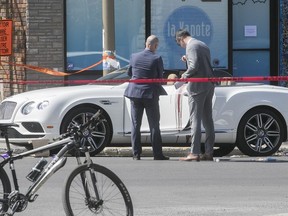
x,y
205,21
192,19
6,37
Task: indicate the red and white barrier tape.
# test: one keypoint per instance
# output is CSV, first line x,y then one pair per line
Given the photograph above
x,y
214,79
58,73
52,72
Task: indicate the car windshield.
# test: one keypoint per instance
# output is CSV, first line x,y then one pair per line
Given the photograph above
x,y
121,75
117,75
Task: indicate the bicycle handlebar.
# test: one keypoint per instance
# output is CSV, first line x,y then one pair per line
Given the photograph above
x,y
77,129
93,118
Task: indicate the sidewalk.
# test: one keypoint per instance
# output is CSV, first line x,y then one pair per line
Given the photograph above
x,y
174,151
147,151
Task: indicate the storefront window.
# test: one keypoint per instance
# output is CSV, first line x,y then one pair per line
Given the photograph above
x,y
129,28
206,21
251,38
251,31
84,31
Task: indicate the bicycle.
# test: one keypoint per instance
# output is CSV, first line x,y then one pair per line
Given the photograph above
x,y
90,189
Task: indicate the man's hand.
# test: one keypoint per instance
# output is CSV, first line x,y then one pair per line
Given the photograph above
x,y
183,58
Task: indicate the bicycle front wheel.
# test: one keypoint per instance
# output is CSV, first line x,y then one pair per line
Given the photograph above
x,y
5,190
95,190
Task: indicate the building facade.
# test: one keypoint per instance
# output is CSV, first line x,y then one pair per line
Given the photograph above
x,y
246,37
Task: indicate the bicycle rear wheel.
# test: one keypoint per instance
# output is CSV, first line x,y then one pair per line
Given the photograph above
x,y
5,190
80,198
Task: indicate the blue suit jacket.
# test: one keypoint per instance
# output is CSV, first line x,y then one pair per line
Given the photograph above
x,y
145,65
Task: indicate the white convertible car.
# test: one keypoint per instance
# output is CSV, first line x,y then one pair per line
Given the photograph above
x,y
252,116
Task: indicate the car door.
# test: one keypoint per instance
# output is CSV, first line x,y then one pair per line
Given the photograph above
x,y
174,112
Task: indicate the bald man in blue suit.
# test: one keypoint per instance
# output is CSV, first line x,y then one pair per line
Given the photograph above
x,y
146,65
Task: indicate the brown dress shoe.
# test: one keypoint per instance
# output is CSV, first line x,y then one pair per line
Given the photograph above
x,y
190,157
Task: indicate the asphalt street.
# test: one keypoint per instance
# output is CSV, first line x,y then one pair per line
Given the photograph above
x,y
237,186
232,185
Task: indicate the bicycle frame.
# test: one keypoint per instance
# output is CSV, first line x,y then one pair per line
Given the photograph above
x,y
56,163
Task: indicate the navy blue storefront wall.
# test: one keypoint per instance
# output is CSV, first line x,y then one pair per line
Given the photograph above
x,y
283,34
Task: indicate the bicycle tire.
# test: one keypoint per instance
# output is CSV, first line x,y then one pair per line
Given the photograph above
x,y
5,190
114,196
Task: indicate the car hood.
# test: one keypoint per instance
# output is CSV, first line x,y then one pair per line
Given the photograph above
x,y
54,92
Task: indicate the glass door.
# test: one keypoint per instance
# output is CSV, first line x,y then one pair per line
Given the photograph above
x,y
251,38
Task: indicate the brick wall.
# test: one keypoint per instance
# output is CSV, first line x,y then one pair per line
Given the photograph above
x,y
38,39
10,74
45,39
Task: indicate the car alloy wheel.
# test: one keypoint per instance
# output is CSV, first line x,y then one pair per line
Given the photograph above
x,y
260,133
101,134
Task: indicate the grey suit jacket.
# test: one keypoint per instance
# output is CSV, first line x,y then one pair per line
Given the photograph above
x,y
145,65
199,65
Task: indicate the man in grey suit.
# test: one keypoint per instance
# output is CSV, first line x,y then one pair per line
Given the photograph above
x,y
146,65
198,63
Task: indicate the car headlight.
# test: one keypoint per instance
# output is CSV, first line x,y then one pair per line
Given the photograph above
x,y
28,108
43,105
32,105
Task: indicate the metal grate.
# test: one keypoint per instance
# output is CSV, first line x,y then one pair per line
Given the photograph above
x,y
33,127
15,134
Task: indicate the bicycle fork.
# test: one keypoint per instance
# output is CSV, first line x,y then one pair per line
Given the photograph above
x,y
95,203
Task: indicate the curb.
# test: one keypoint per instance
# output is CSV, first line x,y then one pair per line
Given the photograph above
x,y
147,151
127,151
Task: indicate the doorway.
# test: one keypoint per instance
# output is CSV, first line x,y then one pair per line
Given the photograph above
x,y
254,45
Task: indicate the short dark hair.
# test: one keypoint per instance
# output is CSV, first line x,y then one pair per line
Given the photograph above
x,y
182,33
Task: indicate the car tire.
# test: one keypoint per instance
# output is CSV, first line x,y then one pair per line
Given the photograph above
x,y
101,136
260,132
223,149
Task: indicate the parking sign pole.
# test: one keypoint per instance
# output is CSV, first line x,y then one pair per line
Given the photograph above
x,y
108,33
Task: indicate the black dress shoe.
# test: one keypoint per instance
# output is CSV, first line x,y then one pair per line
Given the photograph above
x,y
162,157
136,157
